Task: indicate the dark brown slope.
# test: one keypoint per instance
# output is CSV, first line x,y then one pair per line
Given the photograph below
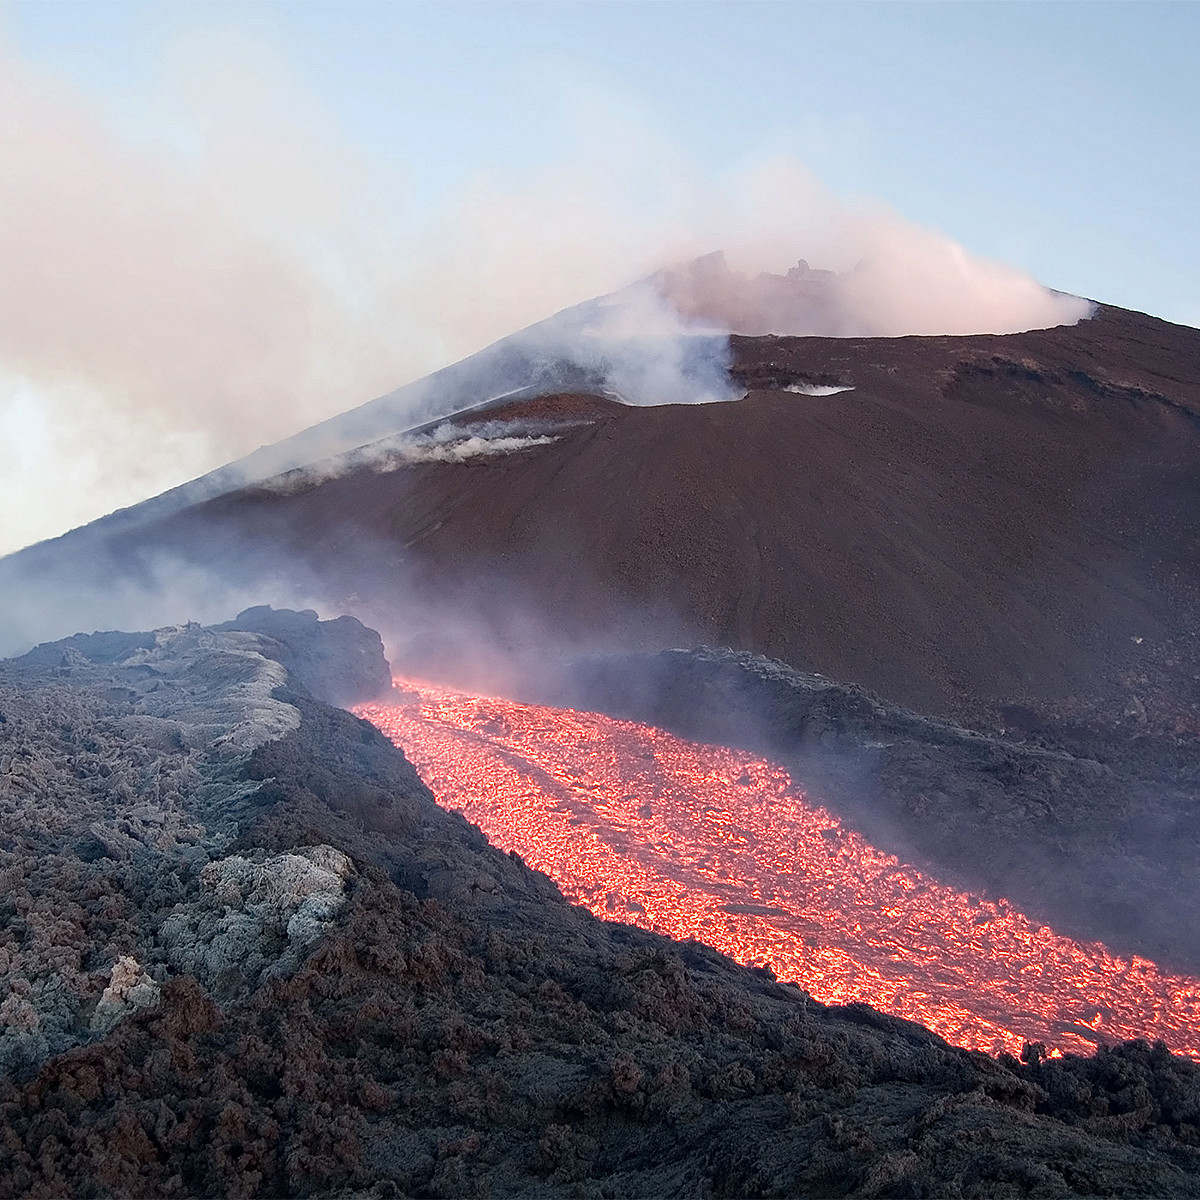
x,y
981,520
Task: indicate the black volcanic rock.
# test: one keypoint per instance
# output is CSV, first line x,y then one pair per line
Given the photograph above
x,y
101,647
339,661
306,979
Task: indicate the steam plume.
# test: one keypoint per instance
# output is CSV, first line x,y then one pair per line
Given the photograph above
x,y
165,307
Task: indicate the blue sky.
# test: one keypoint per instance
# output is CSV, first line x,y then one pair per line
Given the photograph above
x,y
220,223
1063,138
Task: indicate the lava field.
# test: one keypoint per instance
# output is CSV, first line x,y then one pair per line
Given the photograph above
x,y
717,845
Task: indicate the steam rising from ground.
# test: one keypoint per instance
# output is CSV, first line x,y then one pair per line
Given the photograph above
x,y
169,303
447,443
447,448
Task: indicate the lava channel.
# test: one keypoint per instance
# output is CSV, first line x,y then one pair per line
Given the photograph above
x,y
703,842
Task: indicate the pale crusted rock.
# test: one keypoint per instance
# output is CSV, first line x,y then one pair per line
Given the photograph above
x,y
311,919
287,879
281,882
229,879
216,686
328,859
273,908
129,990
17,1013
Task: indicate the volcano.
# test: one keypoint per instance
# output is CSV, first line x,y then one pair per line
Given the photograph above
x,y
875,671
985,535
997,525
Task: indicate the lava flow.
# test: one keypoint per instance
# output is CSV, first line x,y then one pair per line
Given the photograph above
x,y
703,842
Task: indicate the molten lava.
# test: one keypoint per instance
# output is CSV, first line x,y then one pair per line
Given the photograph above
x,y
703,842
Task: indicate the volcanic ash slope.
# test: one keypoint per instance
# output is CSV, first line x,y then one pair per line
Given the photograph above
x,y
244,953
977,523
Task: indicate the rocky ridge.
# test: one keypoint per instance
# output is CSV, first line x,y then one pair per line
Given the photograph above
x,y
123,786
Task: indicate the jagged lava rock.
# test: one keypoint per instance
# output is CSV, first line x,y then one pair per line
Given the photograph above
x,y
339,661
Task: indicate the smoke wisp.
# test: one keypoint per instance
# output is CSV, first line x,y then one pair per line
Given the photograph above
x,y
167,589
448,443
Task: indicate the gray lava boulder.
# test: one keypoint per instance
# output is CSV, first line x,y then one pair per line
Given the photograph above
x,y
340,661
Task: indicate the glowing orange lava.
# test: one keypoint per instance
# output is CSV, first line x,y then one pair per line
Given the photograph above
x,y
703,842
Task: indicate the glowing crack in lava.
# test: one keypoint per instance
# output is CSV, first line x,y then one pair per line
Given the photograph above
x,y
703,842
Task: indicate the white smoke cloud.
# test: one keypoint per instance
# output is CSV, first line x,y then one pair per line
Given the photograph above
x,y
470,447
878,275
167,303
914,281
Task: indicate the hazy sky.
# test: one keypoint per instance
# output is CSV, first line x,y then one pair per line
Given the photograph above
x,y
227,221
